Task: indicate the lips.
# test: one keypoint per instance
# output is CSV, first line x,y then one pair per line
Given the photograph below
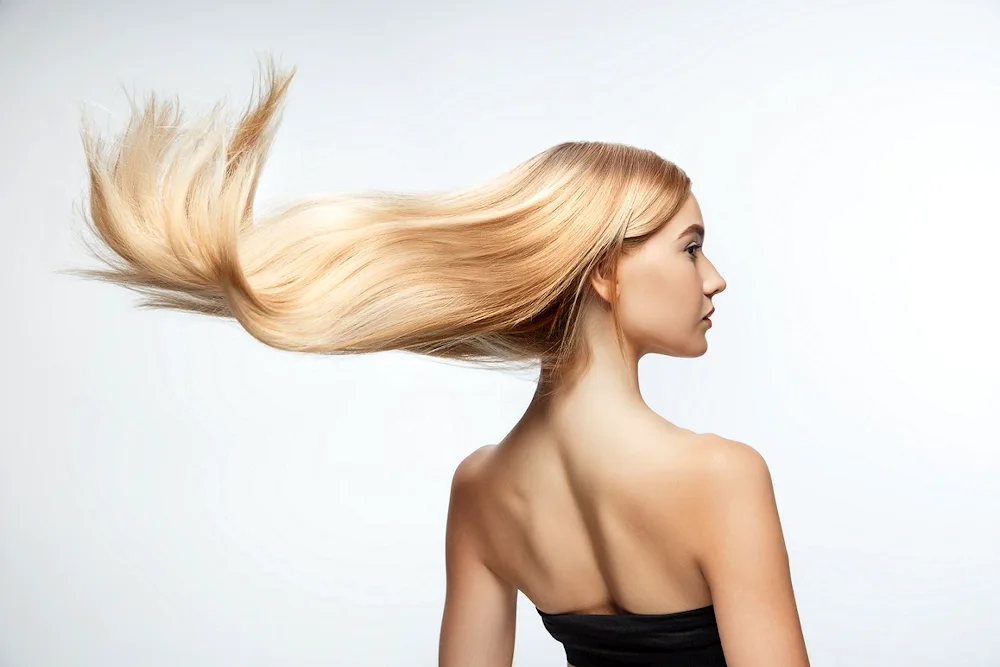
x,y
711,312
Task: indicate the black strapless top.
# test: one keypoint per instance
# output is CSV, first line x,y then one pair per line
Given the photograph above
x,y
682,639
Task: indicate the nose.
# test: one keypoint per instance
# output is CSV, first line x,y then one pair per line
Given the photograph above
x,y
718,286
714,282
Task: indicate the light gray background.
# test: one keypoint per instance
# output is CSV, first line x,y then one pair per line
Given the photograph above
x,y
174,493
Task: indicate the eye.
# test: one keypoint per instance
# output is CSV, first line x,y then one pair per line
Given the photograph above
x,y
693,249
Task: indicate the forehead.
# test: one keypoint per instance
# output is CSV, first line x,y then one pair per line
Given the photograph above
x,y
687,221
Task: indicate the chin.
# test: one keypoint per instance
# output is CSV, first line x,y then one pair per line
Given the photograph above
x,y
699,346
692,350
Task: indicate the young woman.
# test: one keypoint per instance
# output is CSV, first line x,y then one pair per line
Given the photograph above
x,y
639,542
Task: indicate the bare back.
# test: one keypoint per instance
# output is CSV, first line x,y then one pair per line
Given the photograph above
x,y
562,522
617,512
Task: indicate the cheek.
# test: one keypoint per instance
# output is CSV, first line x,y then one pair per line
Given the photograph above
x,y
660,296
666,280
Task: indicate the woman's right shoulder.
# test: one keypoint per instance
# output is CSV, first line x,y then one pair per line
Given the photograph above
x,y
658,451
714,495
702,473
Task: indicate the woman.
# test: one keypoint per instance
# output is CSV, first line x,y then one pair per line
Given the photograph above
x,y
639,542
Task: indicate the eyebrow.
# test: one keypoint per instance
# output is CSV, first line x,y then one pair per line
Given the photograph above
x,y
695,228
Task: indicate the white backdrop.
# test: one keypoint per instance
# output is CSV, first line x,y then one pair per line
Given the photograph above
x,y
173,493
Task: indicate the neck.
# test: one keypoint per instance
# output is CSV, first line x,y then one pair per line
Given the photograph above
x,y
610,381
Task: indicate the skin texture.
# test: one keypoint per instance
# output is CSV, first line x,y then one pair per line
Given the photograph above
x,y
595,504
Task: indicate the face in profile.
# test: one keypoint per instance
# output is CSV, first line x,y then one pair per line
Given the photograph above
x,y
666,288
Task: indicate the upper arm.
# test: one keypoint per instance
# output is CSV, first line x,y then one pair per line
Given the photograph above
x,y
742,554
477,626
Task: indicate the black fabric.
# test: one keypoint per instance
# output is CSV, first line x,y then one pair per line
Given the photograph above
x,y
682,639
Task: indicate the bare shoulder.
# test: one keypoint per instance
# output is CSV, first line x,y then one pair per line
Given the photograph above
x,y
464,502
730,473
480,608
470,471
728,464
715,495
702,462
694,482
469,467
730,479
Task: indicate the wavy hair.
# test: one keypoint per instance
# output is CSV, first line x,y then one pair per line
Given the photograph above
x,y
496,272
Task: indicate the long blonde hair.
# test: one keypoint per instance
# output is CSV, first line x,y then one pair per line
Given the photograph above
x,y
498,272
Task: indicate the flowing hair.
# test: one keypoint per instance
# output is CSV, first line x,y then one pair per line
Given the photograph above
x,y
494,273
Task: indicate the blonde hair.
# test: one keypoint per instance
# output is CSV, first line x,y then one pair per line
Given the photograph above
x,y
498,272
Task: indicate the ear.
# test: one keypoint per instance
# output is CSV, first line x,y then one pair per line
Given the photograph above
x,y
600,280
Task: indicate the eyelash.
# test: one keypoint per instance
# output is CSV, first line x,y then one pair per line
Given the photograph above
x,y
695,248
